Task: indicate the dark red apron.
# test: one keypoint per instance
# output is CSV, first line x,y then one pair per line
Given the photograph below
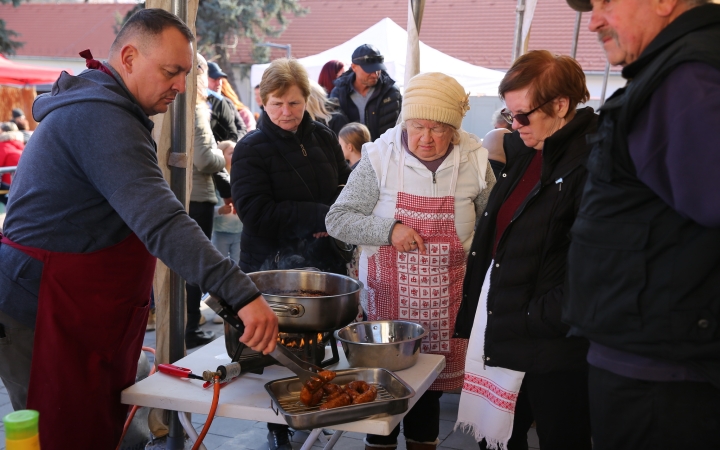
x,y
92,311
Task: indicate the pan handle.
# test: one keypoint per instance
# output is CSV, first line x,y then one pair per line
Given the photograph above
x,y
283,310
225,311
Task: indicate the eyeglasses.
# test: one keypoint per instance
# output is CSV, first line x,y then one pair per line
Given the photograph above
x,y
369,59
417,128
522,118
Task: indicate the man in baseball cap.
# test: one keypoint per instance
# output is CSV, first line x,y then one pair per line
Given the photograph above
x,y
225,121
366,92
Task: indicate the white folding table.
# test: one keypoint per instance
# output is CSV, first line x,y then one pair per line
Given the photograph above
x,y
246,397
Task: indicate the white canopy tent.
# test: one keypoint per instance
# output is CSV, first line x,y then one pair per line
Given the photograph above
x,y
391,40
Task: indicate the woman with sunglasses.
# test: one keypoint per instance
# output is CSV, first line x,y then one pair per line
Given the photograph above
x,y
520,367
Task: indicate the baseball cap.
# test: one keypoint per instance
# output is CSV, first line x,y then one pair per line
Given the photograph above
x,y
17,112
369,58
215,72
580,5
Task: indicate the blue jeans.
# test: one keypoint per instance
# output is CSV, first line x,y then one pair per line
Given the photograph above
x,y
228,244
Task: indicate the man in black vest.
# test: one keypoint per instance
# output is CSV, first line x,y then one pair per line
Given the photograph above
x,y
644,263
366,92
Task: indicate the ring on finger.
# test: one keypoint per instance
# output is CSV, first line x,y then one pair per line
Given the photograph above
x,y
413,242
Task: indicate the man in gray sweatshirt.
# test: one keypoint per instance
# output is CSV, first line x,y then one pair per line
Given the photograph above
x,y
88,213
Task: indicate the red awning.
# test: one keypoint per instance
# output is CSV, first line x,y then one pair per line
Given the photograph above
x,y
22,74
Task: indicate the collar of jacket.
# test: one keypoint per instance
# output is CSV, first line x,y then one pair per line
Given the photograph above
x,y
689,21
306,127
347,79
558,152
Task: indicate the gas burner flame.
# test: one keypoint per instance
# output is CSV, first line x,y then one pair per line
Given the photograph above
x,y
296,341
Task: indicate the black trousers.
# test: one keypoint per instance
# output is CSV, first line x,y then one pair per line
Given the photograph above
x,y
202,213
421,423
652,415
558,404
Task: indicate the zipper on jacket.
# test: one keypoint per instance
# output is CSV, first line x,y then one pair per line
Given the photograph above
x,y
434,180
559,182
302,147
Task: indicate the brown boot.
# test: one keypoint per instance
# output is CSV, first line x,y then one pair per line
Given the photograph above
x,y
412,445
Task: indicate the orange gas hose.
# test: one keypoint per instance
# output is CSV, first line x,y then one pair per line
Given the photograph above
x,y
135,407
211,414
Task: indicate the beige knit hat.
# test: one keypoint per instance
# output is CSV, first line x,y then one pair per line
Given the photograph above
x,y
435,96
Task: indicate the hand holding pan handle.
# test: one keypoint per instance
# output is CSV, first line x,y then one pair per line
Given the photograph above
x,y
285,357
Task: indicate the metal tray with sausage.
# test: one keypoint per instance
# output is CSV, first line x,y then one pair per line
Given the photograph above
x,y
392,398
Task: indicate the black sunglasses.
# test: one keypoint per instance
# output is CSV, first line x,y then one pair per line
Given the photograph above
x,y
369,59
522,118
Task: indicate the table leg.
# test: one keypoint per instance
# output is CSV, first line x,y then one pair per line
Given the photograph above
x,y
333,439
307,445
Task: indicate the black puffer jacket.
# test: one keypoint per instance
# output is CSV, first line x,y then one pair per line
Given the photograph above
x,y
222,120
283,184
383,106
524,330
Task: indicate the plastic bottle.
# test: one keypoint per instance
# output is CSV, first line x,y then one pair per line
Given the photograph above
x,y
21,430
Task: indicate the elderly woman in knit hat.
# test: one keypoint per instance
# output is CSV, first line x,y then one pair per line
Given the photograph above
x,y
411,204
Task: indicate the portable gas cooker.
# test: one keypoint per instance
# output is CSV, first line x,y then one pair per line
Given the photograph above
x,y
310,306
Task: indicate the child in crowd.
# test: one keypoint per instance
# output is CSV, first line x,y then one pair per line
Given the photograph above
x,y
352,137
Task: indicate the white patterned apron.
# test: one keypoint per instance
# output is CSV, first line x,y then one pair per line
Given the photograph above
x,y
424,288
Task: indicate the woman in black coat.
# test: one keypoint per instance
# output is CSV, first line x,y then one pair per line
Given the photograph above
x,y
285,175
524,235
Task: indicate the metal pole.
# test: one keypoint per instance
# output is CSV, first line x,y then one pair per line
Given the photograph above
x,y
418,7
605,81
176,436
576,34
287,47
517,45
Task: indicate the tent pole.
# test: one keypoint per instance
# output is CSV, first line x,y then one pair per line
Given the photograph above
x,y
178,146
418,7
517,45
576,34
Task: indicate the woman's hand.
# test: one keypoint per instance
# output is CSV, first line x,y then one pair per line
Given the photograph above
x,y
405,239
225,209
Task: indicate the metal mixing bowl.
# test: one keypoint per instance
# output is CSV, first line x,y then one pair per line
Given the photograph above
x,y
388,344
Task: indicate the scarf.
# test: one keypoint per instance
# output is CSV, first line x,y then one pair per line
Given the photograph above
x,y
489,394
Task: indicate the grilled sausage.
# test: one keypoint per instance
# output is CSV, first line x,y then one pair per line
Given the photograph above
x,y
327,375
368,396
313,384
341,399
331,388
